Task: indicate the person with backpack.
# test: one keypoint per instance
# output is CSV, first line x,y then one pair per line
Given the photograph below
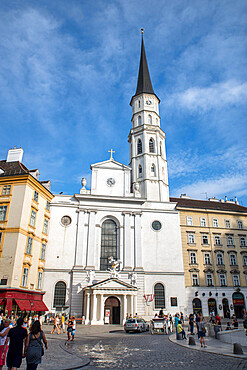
x,y
34,349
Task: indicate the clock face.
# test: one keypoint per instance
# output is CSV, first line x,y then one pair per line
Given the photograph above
x,y
111,181
149,102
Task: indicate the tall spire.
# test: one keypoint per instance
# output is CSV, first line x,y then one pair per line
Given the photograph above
x,y
144,84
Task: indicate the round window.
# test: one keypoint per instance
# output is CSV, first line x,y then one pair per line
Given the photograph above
x,y
156,225
66,220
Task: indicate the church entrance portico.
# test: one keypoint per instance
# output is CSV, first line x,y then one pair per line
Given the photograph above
x,y
112,310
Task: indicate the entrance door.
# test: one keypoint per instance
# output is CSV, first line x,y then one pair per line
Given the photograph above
x,y
197,306
238,303
212,306
226,309
112,309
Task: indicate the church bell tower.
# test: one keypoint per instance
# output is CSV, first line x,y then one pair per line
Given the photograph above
x,y
147,140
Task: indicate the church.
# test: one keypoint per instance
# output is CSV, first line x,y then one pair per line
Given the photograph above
x,y
116,248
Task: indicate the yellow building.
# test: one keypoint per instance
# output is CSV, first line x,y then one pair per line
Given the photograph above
x,y
214,246
24,222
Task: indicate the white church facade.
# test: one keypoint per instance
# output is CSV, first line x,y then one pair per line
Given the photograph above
x,y
116,248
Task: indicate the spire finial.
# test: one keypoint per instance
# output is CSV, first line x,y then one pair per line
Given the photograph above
x,y
142,30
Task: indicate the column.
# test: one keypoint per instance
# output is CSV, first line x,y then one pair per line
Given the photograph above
x,y
102,308
79,242
124,308
127,245
91,240
87,319
138,241
94,309
135,304
132,305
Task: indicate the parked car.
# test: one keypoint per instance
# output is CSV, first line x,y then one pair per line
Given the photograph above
x,y
136,325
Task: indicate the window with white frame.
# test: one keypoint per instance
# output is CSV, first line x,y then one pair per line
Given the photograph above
x,y
215,222
42,254
217,240
191,238
153,172
235,279
6,190
204,239
245,259
3,211
39,283
149,119
33,218
193,259
35,196
229,240
240,225
209,280
220,260
25,276
222,279
45,228
203,221
194,279
139,171
151,146
233,259
242,241
29,245
139,120
139,146
228,224
189,220
207,259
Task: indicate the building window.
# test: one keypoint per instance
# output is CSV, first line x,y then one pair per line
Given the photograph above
x,y
151,146
139,120
220,260
240,225
203,221
222,279
139,146
29,245
242,241
109,243
42,254
39,283
48,205
235,279
153,172
149,119
228,224
6,190
33,218
3,211
229,240
193,257
139,104
204,239
191,238
25,276
174,301
159,296
209,279
195,279
160,148
245,259
189,220
207,259
1,235
215,222
217,240
45,228
59,294
233,260
35,196
140,170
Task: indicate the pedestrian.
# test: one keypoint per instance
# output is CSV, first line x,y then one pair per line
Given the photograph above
x,y
181,317
176,321
73,328
181,330
191,323
70,327
202,331
3,337
235,323
63,322
56,325
34,349
197,323
15,339
228,326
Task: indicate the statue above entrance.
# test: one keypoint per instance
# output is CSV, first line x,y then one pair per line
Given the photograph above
x,y
115,266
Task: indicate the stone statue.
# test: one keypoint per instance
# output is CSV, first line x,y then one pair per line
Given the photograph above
x,y
90,277
115,265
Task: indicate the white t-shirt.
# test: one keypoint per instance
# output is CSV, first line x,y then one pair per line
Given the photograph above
x,y
74,325
3,339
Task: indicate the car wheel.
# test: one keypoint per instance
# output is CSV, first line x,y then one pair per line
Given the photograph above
x,y
126,331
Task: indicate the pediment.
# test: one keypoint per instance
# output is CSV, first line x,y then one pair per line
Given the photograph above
x,y
110,164
112,284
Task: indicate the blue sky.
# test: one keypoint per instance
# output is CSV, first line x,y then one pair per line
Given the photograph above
x,y
68,71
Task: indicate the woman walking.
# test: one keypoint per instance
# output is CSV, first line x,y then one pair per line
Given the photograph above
x,y
34,347
202,331
3,337
70,327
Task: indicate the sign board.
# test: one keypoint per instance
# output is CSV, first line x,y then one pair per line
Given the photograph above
x,y
107,313
107,319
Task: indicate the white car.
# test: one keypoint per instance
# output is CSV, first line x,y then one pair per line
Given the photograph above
x,y
136,325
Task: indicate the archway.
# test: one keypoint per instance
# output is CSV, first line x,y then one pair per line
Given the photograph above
x,y
238,304
226,310
197,305
212,306
112,310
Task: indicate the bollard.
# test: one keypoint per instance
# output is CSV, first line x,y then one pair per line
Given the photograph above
x,y
237,349
179,336
192,341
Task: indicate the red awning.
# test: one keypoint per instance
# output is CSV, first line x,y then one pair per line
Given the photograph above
x,y
39,306
24,304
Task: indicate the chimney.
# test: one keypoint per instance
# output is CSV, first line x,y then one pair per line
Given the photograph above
x,y
225,198
236,200
184,196
15,155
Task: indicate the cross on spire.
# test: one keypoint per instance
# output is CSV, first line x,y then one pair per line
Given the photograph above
x,y
111,151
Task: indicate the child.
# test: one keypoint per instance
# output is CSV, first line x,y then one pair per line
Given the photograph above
x,y
181,330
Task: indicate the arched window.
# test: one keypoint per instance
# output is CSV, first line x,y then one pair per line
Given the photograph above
x,y
149,119
140,170
159,296
139,120
151,146
139,103
139,146
108,243
160,148
59,294
157,121
153,172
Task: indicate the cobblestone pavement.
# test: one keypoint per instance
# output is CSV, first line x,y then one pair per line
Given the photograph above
x,y
113,348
